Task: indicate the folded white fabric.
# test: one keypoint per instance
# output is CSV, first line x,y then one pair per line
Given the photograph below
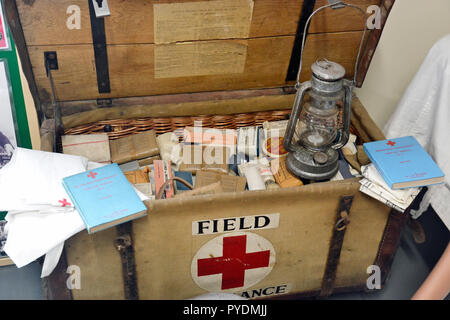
x,y
40,214
33,234
374,186
51,260
32,180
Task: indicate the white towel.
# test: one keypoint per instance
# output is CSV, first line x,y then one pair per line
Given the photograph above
x,y
33,234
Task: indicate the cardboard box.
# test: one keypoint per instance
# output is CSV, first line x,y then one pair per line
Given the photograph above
x,y
206,158
137,176
134,147
213,188
282,175
229,183
95,147
148,161
210,136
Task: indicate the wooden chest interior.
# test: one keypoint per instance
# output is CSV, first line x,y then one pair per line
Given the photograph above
x,y
151,53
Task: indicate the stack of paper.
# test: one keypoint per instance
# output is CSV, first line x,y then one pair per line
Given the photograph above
x,y
94,147
374,185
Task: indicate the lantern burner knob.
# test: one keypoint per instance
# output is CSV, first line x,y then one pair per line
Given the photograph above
x,y
320,158
327,70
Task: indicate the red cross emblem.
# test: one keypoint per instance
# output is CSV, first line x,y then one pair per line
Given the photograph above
x,y
92,175
391,143
64,202
233,263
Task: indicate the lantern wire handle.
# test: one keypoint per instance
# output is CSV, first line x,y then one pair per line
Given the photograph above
x,y
337,4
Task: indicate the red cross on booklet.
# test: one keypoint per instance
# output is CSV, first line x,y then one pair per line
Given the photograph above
x,y
234,262
391,143
92,175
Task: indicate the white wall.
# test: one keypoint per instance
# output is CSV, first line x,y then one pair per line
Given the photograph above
x,y
411,30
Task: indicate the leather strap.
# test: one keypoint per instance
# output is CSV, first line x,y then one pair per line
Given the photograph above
x,y
294,64
167,182
100,51
337,239
124,244
390,242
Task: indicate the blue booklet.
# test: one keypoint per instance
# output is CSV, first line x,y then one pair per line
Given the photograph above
x,y
403,163
104,197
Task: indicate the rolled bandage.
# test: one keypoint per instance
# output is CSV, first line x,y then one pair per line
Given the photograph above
x,y
254,179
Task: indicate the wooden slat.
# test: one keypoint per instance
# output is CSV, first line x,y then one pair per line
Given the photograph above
x,y
181,109
132,67
131,22
372,42
132,71
73,107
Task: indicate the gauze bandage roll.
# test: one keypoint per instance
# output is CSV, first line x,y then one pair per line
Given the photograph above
x,y
254,179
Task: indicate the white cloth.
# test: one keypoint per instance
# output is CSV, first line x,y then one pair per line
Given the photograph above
x,y
424,112
170,149
374,186
32,180
34,234
40,214
51,260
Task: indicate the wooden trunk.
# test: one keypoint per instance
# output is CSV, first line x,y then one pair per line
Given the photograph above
x,y
179,58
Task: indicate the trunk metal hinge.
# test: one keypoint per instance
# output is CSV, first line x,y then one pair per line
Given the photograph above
x,y
104,102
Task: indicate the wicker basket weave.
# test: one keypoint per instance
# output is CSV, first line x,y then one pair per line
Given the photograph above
x,y
124,127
